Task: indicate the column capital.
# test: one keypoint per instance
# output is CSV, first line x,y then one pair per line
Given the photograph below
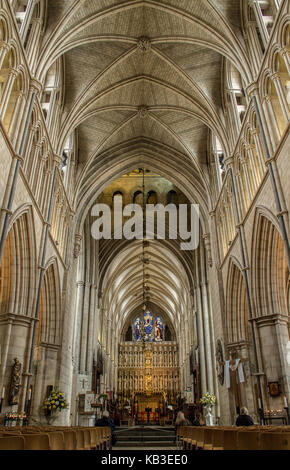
x,y
18,157
255,131
36,21
252,89
267,98
281,213
229,161
275,76
272,319
4,45
13,72
285,50
35,86
57,159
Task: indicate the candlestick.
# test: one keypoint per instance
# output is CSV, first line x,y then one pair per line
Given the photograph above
x,y
3,393
259,403
285,402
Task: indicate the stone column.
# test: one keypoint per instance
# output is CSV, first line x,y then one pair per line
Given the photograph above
x,y
7,92
256,135
274,125
34,91
274,335
91,338
27,19
284,105
201,347
33,43
17,116
260,22
84,328
69,329
285,54
245,169
208,337
4,48
254,46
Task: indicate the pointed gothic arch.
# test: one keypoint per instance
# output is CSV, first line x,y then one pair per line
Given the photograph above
x,y
18,264
237,312
270,279
49,328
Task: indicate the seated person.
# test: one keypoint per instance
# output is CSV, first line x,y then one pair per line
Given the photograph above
x,y
244,419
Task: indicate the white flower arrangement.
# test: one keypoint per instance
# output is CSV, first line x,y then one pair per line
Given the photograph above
x,y
208,399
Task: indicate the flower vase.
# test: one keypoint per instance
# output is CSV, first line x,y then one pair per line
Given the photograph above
x,y
208,416
50,417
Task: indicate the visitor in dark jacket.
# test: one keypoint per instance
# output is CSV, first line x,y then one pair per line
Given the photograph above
x,y
106,421
244,419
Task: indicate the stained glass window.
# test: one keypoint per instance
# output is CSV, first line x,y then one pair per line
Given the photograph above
x,y
148,325
138,329
158,329
151,329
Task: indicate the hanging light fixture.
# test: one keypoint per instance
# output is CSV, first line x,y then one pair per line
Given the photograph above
x,y
143,244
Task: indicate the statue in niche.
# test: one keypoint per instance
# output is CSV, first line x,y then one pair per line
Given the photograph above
x,y
15,382
220,362
100,364
234,375
233,369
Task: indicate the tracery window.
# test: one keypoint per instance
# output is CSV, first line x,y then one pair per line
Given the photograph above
x,y
219,160
138,198
152,197
172,197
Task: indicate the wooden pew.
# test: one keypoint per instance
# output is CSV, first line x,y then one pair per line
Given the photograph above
x,y
218,439
12,443
248,440
208,438
185,435
230,439
275,440
44,441
87,439
70,440
80,439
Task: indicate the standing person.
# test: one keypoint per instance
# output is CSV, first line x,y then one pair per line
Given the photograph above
x,y
106,421
196,419
244,419
180,421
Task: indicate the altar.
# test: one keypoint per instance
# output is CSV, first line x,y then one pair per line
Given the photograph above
x,y
148,407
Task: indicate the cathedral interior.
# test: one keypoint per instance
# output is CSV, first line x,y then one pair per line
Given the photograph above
x,y
149,102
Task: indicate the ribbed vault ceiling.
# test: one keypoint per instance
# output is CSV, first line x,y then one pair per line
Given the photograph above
x,y
165,277
164,56
143,88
